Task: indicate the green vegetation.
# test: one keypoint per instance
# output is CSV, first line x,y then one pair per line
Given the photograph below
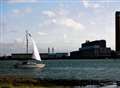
x,y
15,82
29,85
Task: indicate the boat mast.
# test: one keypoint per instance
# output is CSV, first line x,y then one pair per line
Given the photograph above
x,y
26,41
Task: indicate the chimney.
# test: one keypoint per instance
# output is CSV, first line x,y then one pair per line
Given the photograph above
x,y
52,50
48,50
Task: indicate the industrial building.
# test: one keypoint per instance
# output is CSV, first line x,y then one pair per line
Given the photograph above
x,y
93,49
101,43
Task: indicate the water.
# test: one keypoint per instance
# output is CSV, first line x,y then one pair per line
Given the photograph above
x,y
68,69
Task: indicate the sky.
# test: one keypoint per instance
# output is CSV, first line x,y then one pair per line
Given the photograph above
x,y
62,24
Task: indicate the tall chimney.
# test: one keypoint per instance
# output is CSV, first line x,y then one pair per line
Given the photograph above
x,y
52,50
117,27
48,50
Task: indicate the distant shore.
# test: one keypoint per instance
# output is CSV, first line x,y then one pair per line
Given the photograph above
x,y
7,58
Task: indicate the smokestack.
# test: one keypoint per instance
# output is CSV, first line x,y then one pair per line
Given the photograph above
x,y
48,50
117,28
52,50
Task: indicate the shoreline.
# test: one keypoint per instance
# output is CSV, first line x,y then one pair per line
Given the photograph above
x,y
61,58
3,59
20,80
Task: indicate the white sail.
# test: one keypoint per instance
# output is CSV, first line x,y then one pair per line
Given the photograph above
x,y
35,54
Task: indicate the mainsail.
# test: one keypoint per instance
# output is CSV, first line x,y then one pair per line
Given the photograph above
x,y
35,54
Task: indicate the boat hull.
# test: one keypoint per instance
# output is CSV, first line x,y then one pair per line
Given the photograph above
x,y
110,86
29,65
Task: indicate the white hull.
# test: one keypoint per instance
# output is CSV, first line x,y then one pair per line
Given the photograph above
x,y
30,65
110,86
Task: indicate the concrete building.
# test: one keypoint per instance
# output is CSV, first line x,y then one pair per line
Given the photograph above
x,y
117,27
101,43
94,49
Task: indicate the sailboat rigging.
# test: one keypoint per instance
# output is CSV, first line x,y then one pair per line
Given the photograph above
x,y
35,55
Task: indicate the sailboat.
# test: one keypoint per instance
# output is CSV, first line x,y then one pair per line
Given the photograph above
x,y
35,56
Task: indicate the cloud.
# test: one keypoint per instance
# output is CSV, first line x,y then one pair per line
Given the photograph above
x,y
22,1
92,22
42,33
54,21
65,22
19,40
22,11
88,4
56,18
96,5
85,3
65,36
69,22
49,13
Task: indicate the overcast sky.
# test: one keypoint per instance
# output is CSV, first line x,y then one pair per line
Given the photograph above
x,y
63,24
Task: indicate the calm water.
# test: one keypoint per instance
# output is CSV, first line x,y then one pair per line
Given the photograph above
x,y
68,69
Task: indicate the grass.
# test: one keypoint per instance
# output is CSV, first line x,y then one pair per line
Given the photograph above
x,y
9,85
15,82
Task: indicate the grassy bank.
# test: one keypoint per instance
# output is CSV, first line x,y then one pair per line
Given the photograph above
x,y
28,82
22,82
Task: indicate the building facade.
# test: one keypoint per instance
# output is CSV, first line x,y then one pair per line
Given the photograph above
x,y
94,49
101,43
